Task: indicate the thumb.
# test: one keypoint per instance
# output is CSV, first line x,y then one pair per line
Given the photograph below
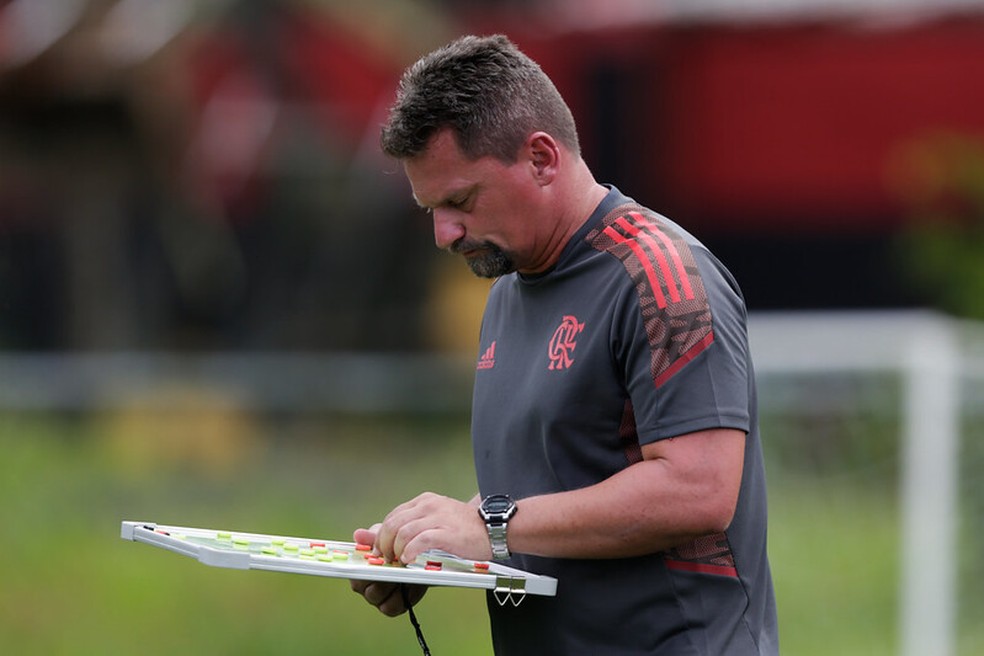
x,y
366,535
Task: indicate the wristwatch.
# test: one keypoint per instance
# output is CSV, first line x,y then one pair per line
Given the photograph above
x,y
496,510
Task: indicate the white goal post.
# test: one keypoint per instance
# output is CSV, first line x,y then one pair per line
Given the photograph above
x,y
925,349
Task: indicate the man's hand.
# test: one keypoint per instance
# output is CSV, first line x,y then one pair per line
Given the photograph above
x,y
432,521
387,597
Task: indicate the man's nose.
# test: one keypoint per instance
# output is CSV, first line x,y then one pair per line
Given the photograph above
x,y
447,229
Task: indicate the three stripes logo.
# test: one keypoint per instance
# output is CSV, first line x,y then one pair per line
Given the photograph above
x,y
487,361
658,255
672,297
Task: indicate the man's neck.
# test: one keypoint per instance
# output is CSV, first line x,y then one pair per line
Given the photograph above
x,y
579,197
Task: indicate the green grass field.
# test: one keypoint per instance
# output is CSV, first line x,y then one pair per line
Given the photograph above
x,y
70,585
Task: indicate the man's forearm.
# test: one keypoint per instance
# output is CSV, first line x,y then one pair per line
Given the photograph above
x,y
650,506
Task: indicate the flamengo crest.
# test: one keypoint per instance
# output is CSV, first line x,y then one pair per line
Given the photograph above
x,y
561,348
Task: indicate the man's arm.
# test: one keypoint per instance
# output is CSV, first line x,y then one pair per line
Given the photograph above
x,y
684,488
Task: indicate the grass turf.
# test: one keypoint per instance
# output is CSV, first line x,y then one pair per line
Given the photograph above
x,y
70,585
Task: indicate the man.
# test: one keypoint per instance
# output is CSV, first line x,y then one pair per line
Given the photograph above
x,y
614,399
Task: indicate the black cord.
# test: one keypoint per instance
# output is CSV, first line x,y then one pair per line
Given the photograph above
x,y
413,620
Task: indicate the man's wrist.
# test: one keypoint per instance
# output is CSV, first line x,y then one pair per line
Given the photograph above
x,y
496,510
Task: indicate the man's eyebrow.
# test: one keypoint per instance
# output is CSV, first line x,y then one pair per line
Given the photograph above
x,y
454,197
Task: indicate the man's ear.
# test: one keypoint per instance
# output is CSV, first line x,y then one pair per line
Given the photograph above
x,y
544,157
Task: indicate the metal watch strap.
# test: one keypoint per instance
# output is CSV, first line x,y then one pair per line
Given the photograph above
x,y
496,510
497,537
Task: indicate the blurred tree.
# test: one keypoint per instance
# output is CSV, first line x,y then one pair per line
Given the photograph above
x,y
202,175
941,180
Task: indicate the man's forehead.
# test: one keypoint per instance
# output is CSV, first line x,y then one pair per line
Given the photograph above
x,y
441,173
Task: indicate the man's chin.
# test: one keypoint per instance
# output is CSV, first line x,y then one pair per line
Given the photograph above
x,y
490,264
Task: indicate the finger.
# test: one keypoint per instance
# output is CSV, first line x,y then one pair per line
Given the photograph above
x,y
386,597
383,544
395,532
386,533
359,586
411,539
403,523
414,592
365,535
402,599
426,540
393,605
407,545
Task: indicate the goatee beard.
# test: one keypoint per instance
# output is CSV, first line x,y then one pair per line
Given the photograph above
x,y
491,262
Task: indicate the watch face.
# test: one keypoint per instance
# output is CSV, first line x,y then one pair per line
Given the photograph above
x,y
498,507
497,504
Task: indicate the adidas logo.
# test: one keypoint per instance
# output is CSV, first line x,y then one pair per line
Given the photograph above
x,y
487,361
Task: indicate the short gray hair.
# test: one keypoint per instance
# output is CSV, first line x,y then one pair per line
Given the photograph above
x,y
487,91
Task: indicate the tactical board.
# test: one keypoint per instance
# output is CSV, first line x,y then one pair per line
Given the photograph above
x,y
332,558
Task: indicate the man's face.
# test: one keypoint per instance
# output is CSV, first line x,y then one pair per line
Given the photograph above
x,y
482,209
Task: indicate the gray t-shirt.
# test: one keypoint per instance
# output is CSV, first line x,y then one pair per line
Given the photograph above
x,y
636,335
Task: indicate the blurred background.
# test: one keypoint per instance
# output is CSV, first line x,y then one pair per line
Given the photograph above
x,y
219,306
